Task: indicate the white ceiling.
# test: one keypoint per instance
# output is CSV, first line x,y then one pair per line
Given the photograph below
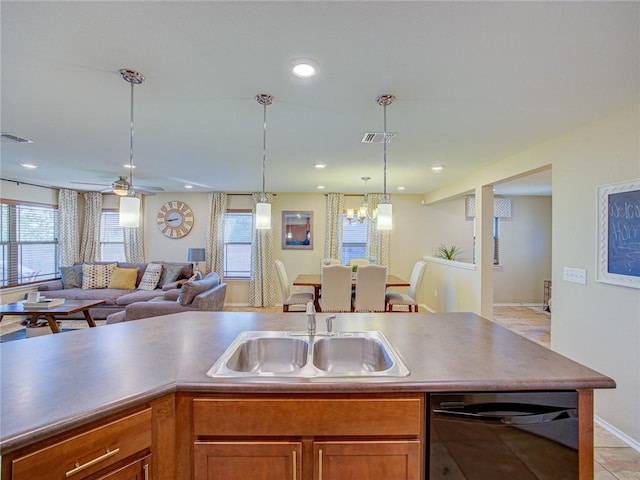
x,y
474,81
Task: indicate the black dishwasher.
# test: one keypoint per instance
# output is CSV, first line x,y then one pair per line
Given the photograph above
x,y
503,436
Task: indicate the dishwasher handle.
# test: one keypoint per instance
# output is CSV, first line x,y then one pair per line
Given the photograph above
x,y
504,413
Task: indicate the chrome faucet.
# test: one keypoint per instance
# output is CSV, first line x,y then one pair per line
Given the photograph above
x,y
329,321
311,318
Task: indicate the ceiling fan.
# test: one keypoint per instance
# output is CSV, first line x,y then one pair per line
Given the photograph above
x,y
122,187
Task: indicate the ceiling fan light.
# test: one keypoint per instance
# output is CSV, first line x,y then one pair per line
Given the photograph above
x,y
263,216
129,212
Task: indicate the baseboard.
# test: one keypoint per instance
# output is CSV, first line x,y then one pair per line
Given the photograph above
x,y
618,433
532,305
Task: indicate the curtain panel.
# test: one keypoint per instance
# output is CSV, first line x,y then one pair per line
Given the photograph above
x,y
214,245
333,226
68,239
134,238
378,241
90,244
262,289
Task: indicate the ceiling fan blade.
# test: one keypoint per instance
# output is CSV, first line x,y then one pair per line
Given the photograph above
x,y
91,183
150,188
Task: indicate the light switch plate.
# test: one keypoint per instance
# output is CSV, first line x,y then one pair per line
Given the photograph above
x,y
575,275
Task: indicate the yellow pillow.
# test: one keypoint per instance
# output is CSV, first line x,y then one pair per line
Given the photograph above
x,y
124,278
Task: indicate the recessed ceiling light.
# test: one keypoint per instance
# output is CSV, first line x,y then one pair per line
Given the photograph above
x,y
320,187
437,168
188,186
401,188
304,67
126,165
320,165
29,165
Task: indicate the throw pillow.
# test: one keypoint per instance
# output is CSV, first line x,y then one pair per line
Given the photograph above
x,y
151,277
123,278
191,290
170,273
71,276
96,275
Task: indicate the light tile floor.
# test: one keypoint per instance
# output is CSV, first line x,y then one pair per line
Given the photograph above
x,y
614,459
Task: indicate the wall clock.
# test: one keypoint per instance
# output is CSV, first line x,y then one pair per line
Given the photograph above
x,y
175,219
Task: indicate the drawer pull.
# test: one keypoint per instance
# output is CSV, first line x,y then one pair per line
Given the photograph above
x,y
90,463
320,464
146,471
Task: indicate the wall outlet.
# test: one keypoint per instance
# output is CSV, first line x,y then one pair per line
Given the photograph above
x,y
575,275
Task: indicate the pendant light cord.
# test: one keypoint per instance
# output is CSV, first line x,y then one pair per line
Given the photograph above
x,y
131,147
384,185
264,150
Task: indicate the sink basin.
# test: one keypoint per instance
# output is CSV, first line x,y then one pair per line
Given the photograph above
x,y
352,355
284,354
269,354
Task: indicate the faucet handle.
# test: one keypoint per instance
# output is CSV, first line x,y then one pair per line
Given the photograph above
x,y
329,322
311,309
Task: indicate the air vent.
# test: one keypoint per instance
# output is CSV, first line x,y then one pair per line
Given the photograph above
x,y
378,137
8,138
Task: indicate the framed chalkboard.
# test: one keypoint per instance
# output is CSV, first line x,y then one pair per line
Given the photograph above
x,y
619,234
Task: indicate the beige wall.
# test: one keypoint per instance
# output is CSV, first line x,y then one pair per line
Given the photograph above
x,y
596,324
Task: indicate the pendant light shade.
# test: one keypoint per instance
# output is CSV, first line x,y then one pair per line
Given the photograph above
x,y
263,209
385,218
129,205
129,212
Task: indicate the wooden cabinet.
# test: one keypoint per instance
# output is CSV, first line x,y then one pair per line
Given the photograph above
x,y
367,460
117,450
243,460
308,437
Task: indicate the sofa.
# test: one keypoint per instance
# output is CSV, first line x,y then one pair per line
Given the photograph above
x,y
73,284
206,294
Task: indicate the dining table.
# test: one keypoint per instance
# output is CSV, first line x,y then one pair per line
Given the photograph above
x,y
315,280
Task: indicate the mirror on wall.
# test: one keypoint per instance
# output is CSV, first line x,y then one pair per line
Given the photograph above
x,y
297,230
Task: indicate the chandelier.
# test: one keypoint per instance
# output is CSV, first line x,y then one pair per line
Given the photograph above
x,y
362,213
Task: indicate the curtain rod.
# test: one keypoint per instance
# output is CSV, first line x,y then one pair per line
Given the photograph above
x,y
19,182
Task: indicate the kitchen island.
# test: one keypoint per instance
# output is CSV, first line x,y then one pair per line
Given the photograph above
x,y
62,390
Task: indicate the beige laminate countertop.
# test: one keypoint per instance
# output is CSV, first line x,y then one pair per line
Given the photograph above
x,y
53,383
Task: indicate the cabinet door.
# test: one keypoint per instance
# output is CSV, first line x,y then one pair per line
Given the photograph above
x,y
244,460
367,460
137,470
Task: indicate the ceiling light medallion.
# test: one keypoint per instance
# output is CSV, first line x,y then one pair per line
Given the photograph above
x,y
385,209
129,205
263,209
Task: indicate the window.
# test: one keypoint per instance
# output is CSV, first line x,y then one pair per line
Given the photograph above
x,y
354,239
496,241
111,237
29,243
238,231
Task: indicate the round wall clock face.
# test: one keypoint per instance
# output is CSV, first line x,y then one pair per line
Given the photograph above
x,y
175,219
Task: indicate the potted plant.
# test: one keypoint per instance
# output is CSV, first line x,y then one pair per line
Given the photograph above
x,y
448,253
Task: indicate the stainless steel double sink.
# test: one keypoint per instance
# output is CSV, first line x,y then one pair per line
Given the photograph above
x,y
255,354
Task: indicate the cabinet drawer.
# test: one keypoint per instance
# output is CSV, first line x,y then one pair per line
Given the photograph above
x,y
88,452
397,416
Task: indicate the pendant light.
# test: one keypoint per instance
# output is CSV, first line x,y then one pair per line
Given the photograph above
x,y
263,209
130,205
385,209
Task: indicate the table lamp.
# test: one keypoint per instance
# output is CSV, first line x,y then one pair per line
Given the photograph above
x,y
195,255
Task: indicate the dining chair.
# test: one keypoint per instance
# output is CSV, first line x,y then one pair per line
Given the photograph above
x,y
358,262
288,299
329,261
371,285
335,293
410,299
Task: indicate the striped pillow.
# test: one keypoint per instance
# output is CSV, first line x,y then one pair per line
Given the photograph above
x,y
96,275
151,277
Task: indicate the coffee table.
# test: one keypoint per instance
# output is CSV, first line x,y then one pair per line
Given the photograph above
x,y
69,307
